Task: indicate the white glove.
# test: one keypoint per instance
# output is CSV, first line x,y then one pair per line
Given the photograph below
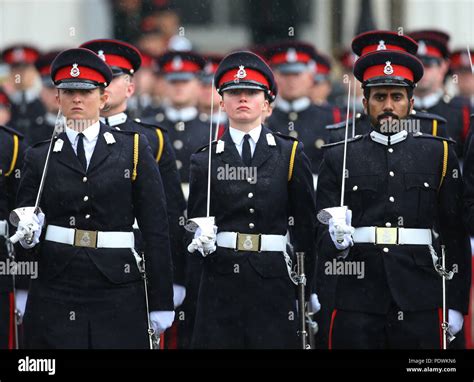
x,y
30,228
341,231
204,242
456,320
179,293
161,320
314,304
21,296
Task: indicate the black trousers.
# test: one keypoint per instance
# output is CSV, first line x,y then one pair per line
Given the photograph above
x,y
394,330
244,310
80,309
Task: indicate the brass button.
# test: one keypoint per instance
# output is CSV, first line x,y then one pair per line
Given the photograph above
x,y
84,180
86,198
426,184
386,250
88,216
293,116
179,164
251,210
251,225
178,144
388,225
390,150
392,199
391,173
355,188
250,195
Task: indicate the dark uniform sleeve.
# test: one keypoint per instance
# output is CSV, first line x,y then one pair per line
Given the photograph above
x,y
150,211
30,178
175,207
469,184
454,235
302,210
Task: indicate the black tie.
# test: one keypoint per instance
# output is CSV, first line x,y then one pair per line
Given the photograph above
x,y
246,153
81,154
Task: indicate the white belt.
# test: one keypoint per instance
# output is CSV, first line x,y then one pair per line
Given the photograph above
x,y
90,239
393,235
3,228
251,242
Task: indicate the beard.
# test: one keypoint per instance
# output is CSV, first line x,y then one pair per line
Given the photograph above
x,y
386,123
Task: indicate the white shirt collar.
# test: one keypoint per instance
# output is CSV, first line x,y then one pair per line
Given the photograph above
x,y
238,135
50,118
297,105
428,101
388,140
91,133
28,95
186,114
114,120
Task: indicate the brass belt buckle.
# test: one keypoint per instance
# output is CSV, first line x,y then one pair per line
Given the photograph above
x,y
86,239
385,235
248,242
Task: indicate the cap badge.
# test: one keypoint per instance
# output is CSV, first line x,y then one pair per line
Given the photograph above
x,y
381,45
101,54
19,54
421,48
388,69
74,71
208,68
291,55
241,73
465,59
177,63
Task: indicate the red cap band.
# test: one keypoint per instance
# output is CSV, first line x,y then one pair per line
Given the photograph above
x,y
85,73
45,70
322,69
431,50
380,71
21,55
184,66
282,58
119,61
250,75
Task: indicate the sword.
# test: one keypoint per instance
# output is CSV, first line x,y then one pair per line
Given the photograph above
x,y
153,338
206,224
445,275
18,213
339,213
303,334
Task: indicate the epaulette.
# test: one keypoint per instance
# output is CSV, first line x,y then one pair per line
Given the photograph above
x,y
205,147
353,139
421,135
342,124
12,131
128,132
149,125
425,115
284,136
40,143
